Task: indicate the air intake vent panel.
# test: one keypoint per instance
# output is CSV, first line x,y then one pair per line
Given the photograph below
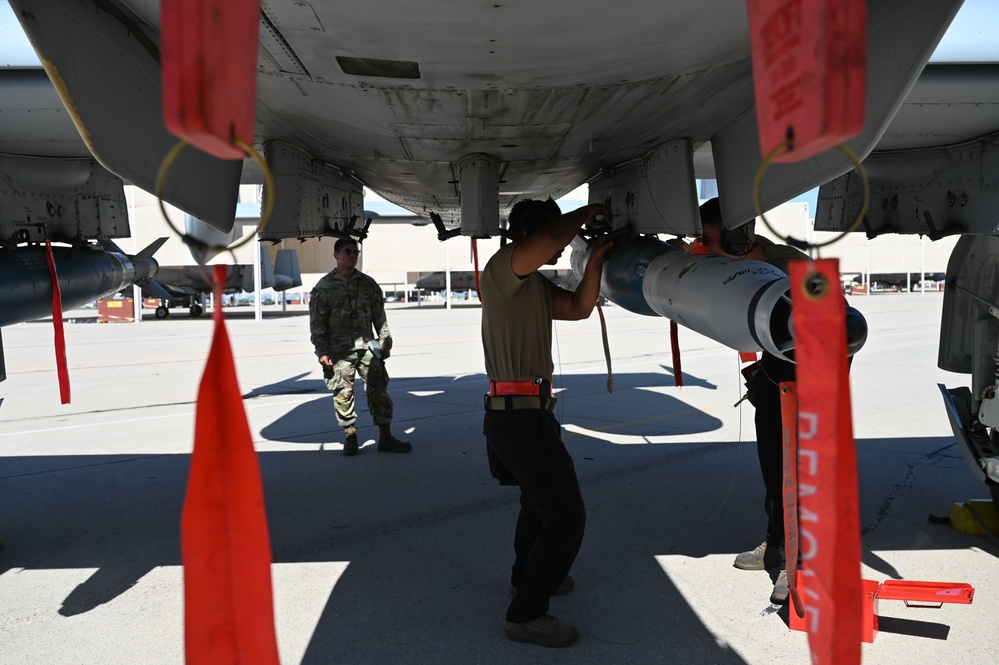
x,y
370,67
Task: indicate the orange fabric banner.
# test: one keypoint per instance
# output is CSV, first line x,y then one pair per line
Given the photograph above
x,y
789,451
829,522
809,73
475,259
674,345
697,248
225,546
208,50
62,370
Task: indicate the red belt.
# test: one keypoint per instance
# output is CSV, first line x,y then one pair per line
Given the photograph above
x,y
538,387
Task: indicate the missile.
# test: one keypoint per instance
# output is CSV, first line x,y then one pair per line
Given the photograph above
x,y
86,273
743,304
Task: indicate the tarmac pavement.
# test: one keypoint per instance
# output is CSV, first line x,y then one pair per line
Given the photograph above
x,y
387,558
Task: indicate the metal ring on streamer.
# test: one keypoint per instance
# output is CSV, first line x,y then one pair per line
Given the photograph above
x,y
758,183
265,217
815,286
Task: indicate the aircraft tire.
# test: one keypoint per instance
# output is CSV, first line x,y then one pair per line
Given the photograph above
x,y
197,310
162,312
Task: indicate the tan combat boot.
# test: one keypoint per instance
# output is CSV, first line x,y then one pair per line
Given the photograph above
x,y
781,590
761,558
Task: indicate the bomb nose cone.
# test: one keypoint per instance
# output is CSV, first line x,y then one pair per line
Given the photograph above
x,y
856,330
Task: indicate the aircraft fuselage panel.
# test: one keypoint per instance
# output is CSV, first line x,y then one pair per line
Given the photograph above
x,y
55,198
104,63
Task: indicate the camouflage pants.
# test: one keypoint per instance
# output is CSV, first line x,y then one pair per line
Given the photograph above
x,y
340,380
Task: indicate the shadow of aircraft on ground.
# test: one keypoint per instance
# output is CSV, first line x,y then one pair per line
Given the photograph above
x,y
428,535
432,401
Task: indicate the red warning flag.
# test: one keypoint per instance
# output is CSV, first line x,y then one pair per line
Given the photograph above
x,y
209,53
475,259
228,601
789,487
60,334
809,69
674,345
829,523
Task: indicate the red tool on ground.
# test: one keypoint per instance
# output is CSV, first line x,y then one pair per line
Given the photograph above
x,y
912,593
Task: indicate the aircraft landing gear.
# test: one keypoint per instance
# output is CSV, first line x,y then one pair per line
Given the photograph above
x,y
196,310
969,344
978,442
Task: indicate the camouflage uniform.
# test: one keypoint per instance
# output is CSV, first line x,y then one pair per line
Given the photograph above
x,y
345,313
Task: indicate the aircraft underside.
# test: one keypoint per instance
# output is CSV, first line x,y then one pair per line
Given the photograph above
x,y
499,106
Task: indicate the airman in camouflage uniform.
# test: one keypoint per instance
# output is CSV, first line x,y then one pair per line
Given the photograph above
x,y
346,312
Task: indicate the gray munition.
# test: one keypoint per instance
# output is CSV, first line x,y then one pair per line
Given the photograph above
x,y
85,274
745,305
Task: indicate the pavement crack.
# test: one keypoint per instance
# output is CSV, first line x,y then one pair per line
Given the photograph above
x,y
76,467
120,409
889,499
904,483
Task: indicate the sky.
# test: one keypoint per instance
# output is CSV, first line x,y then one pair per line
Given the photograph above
x,y
970,37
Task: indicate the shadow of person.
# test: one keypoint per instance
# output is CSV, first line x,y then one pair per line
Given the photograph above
x,y
107,583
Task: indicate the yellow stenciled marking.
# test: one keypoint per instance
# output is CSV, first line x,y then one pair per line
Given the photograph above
x,y
67,101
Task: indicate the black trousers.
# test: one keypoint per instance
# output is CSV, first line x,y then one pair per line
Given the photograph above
x,y
525,448
769,442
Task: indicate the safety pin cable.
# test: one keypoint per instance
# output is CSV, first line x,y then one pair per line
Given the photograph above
x,y
735,468
742,398
558,354
757,201
606,343
265,217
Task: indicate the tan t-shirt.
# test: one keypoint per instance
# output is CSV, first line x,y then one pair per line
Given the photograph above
x,y
516,321
779,255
